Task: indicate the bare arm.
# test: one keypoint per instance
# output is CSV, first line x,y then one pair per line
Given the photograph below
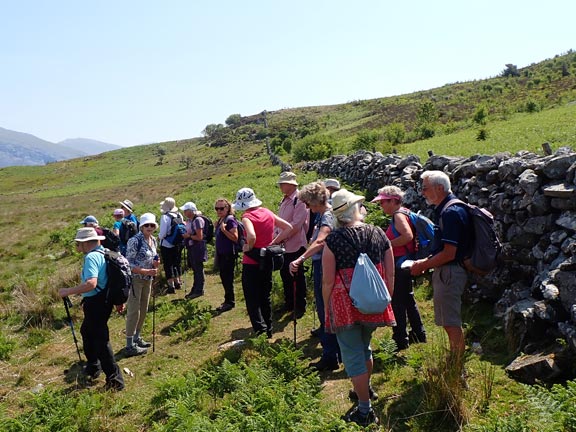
x,y
328,274
286,228
389,270
250,235
84,287
404,230
315,247
443,257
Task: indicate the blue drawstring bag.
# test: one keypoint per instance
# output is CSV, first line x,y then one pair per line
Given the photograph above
x,y
368,290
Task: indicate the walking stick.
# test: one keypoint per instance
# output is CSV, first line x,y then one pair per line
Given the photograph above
x,y
154,287
294,311
67,305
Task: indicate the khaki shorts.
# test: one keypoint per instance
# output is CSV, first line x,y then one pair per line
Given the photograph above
x,y
448,283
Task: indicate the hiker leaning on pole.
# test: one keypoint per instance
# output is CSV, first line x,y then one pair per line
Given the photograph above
x,y
94,329
353,328
449,277
142,255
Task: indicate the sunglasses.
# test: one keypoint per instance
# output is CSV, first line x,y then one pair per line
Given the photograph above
x,y
219,208
149,226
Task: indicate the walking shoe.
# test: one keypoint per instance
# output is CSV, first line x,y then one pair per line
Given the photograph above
x,y
354,397
415,338
361,419
324,365
316,332
177,285
192,295
114,385
170,290
224,307
142,343
91,373
134,350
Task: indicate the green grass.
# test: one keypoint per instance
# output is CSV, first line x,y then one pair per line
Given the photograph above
x,y
187,383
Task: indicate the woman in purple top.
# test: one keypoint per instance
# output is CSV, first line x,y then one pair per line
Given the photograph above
x,y
226,233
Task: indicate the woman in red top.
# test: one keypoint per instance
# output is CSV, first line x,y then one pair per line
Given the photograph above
x,y
402,239
259,224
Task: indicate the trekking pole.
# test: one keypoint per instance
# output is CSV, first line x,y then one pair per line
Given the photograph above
x,y
294,310
154,287
67,305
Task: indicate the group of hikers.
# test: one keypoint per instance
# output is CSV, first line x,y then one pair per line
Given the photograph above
x,y
321,222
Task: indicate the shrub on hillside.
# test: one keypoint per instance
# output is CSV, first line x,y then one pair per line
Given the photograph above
x,y
313,147
395,133
366,140
233,120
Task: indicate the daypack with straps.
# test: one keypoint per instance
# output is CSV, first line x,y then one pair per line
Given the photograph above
x,y
112,241
208,230
119,274
423,230
368,291
239,245
128,229
177,229
486,247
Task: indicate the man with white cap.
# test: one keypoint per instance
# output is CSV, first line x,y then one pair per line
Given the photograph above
x,y
94,329
196,247
293,211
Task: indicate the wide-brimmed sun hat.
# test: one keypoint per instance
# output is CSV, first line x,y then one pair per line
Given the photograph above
x,y
343,199
89,219
168,205
87,234
245,199
127,204
189,206
288,177
148,218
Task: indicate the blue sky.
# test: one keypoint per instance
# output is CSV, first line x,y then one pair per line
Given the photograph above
x,y
136,72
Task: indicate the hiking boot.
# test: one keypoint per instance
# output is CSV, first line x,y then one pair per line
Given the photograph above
x,y
91,373
134,350
114,385
192,295
177,285
361,419
324,365
415,338
142,343
316,332
354,397
170,290
224,307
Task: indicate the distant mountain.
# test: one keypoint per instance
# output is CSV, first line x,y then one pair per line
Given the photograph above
x,y
88,146
18,148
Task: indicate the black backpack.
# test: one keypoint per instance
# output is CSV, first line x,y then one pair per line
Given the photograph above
x,y
119,277
208,231
128,229
239,245
112,241
486,247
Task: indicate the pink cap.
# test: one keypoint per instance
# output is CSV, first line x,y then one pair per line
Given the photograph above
x,y
384,196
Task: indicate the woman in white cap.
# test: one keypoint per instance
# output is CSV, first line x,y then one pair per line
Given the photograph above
x,y
171,254
94,329
353,328
401,235
143,258
259,223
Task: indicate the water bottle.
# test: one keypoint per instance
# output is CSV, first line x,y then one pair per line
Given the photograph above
x,y
262,259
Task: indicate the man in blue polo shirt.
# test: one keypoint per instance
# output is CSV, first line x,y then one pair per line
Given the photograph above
x,y
449,277
94,329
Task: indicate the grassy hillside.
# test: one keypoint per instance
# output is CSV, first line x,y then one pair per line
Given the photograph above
x,y
187,383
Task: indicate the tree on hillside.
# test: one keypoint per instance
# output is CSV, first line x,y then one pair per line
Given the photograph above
x,y
216,133
313,147
510,71
426,120
233,120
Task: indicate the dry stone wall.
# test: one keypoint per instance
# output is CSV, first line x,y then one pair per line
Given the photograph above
x,y
533,200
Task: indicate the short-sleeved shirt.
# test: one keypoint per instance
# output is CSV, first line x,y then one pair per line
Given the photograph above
x,y
455,228
140,254
94,267
325,219
117,225
225,246
196,248
294,211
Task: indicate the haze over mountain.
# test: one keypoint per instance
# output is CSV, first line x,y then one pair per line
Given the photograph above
x,y
19,148
89,146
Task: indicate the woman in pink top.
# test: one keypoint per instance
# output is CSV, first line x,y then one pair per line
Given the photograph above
x,y
259,223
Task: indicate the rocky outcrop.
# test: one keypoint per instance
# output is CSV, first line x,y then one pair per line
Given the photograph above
x,y
532,198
